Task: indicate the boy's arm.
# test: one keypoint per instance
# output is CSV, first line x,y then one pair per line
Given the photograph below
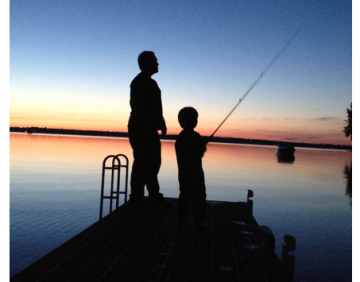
x,y
202,147
206,140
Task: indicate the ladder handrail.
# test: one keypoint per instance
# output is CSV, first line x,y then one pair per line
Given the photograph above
x,y
114,194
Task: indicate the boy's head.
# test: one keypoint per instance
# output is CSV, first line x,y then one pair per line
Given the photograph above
x,y
188,117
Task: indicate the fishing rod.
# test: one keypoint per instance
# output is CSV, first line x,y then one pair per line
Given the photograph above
x,y
256,81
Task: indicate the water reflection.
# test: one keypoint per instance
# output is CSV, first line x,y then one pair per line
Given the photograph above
x,y
288,159
57,180
348,176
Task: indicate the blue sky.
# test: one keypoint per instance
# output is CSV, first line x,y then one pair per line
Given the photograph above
x,y
71,63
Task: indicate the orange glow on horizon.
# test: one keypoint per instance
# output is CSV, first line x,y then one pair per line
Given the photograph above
x,y
297,137
274,130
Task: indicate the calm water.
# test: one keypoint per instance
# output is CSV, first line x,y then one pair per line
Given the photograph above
x,y
55,193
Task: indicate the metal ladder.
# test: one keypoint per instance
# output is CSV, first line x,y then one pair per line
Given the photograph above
x,y
115,191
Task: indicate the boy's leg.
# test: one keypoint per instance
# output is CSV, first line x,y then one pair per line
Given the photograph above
x,y
199,205
183,204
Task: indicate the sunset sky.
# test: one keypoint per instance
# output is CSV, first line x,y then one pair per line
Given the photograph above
x,y
71,64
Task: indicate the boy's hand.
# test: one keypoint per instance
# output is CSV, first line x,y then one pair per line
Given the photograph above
x,y
205,140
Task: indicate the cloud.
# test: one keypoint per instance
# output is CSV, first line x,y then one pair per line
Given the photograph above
x,y
324,118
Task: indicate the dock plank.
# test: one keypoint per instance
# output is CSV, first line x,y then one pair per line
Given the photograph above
x,y
133,244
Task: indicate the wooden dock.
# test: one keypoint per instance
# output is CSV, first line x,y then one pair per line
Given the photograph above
x,y
134,244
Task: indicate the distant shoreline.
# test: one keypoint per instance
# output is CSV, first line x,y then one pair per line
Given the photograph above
x,y
173,137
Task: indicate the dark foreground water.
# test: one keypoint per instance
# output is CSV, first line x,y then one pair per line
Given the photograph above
x,y
55,186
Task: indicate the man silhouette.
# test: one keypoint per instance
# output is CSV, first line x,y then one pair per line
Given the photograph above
x,y
146,118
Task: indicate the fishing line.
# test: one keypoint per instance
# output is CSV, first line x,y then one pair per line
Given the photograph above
x,y
256,81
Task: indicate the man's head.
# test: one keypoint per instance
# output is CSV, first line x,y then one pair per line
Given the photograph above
x,y
148,62
188,117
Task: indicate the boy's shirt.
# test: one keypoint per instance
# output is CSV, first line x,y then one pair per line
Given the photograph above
x,y
190,149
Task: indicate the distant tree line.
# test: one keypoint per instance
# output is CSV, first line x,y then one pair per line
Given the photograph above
x,y
44,130
348,128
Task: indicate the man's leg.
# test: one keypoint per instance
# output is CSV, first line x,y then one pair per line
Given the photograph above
x,y
138,175
153,164
137,180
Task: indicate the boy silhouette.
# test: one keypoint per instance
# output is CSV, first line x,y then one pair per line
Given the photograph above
x,y
190,148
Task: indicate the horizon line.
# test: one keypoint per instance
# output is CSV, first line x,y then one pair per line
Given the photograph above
x,y
258,141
